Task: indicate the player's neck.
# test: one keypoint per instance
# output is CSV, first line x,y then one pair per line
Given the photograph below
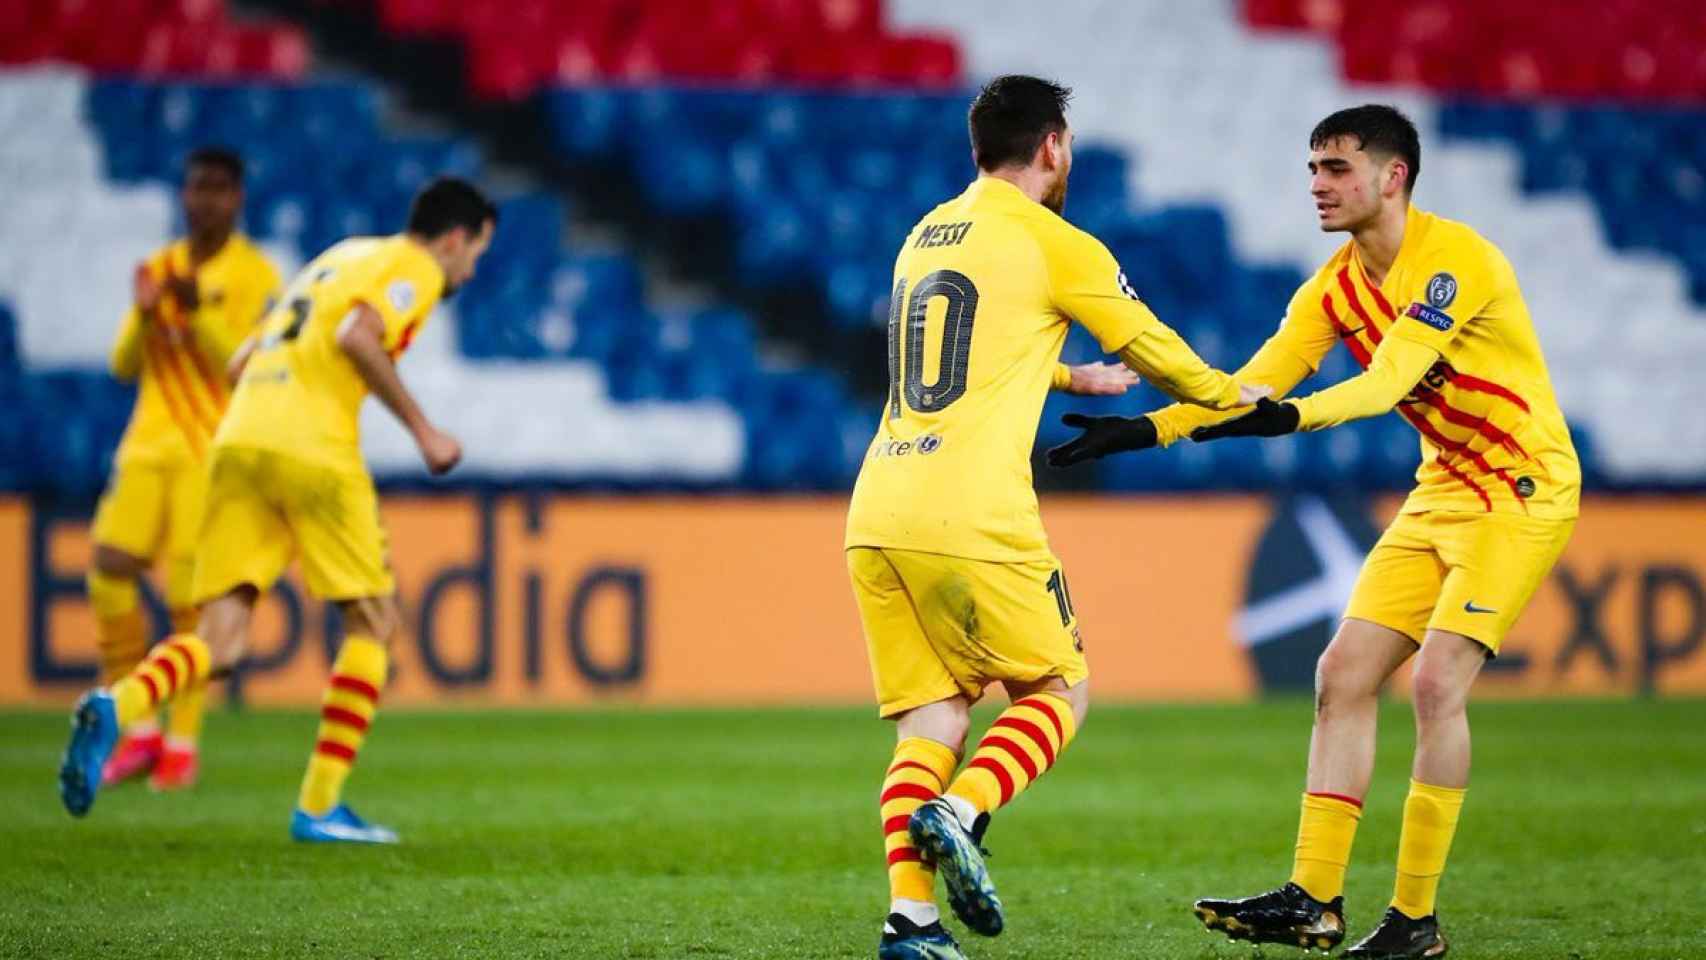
x,y
429,248
1379,241
205,248
1031,182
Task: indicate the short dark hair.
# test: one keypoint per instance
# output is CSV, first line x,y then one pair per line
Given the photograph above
x,y
1381,131
223,158
447,203
1011,117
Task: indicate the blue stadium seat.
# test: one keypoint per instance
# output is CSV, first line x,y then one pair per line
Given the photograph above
x,y
1640,165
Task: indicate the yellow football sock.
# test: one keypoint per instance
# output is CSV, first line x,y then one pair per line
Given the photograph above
x,y
1430,820
346,711
183,722
175,665
919,771
122,631
1325,831
1020,746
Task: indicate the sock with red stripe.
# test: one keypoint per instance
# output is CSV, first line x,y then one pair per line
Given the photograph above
x,y
1021,745
1325,831
183,724
175,665
346,711
919,771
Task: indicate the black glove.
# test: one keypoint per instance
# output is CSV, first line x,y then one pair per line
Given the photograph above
x,y
1102,436
1269,419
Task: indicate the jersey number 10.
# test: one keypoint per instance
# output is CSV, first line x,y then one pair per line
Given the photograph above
x,y
906,367
299,308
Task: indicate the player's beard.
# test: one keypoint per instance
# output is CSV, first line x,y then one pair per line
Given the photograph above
x,y
1055,198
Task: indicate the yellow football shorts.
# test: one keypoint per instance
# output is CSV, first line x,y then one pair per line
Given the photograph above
x,y
153,512
1466,573
939,626
263,505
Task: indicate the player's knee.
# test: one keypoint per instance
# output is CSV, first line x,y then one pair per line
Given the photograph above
x,y
1336,678
113,562
224,626
947,722
379,618
1078,696
1435,694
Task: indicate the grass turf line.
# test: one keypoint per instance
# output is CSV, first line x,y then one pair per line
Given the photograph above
x,y
625,834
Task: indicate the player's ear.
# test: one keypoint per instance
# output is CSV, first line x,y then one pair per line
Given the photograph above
x,y
1397,175
1051,150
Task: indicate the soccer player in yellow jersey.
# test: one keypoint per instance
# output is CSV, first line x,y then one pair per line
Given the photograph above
x,y
1433,313
196,299
287,477
951,570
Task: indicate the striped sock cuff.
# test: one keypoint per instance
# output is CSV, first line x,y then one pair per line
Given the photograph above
x,y
351,698
1020,746
176,664
919,771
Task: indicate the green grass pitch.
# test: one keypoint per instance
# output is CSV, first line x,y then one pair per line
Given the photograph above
x,y
626,834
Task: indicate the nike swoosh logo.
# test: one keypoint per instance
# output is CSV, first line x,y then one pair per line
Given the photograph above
x,y
1470,607
1347,334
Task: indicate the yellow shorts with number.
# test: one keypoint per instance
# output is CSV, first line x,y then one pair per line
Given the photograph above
x,y
154,513
938,627
1466,573
263,506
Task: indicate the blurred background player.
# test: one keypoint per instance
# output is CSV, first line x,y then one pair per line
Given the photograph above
x,y
195,300
1433,313
951,569
287,474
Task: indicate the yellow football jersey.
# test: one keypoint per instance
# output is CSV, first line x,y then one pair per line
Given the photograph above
x,y
1493,438
984,288
300,393
179,361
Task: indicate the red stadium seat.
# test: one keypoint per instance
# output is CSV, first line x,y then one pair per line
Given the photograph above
x,y
1616,48
417,16
193,11
173,37
515,48
925,61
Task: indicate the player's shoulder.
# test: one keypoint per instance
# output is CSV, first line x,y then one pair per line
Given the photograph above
x,y
1454,242
1057,237
1326,275
251,255
175,250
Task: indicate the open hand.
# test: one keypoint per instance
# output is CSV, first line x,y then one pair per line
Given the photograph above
x,y
1249,393
1101,379
1269,419
145,290
1102,436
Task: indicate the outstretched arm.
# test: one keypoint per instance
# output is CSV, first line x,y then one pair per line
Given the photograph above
x,y
1391,375
1276,366
1094,379
1163,358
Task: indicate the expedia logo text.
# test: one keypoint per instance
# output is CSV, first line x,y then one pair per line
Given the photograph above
x,y
923,446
